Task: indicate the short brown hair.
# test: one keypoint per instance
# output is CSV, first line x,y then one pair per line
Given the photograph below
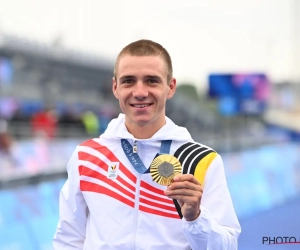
x,y
147,48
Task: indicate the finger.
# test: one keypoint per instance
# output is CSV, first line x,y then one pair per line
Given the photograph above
x,y
178,193
180,203
184,185
186,177
193,199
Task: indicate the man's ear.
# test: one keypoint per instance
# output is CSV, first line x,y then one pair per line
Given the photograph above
x,y
172,88
114,87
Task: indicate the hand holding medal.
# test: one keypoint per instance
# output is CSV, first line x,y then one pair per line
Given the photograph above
x,y
164,168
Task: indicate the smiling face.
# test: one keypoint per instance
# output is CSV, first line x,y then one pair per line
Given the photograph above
x,y
142,90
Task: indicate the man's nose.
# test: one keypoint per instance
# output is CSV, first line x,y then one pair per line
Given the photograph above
x,y
140,90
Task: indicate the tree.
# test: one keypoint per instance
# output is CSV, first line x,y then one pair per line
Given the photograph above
x,y
188,90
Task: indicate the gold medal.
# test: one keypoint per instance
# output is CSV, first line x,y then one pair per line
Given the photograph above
x,y
163,169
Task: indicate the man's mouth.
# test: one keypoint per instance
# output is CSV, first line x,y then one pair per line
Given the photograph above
x,y
140,105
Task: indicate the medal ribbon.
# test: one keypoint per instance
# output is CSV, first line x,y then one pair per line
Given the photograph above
x,y
134,158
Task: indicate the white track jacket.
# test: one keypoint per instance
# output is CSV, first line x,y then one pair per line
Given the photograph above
x,y
106,204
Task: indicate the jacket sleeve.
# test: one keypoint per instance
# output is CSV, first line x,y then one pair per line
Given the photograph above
x,y
217,227
71,228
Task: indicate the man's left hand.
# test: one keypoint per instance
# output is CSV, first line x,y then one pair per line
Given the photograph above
x,y
188,192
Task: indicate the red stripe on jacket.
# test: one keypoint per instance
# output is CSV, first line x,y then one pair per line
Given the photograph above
x,y
92,187
94,174
95,160
105,151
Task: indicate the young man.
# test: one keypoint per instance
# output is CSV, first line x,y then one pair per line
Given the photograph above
x,y
111,201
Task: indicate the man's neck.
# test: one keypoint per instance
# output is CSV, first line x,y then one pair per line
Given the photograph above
x,y
143,131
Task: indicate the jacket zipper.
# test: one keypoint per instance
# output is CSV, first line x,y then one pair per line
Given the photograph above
x,y
136,202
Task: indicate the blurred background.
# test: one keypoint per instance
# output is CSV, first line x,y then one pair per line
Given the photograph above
x,y
237,64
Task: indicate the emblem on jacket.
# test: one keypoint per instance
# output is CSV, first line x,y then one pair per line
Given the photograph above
x,y
113,169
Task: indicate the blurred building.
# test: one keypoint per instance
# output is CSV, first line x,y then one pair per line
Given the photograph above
x,y
34,71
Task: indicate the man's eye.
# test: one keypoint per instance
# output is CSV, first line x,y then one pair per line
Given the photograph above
x,y
128,81
151,81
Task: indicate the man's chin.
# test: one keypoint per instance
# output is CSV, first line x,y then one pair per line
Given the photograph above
x,y
142,122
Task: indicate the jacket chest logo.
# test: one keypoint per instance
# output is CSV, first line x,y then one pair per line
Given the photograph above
x,y
113,169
